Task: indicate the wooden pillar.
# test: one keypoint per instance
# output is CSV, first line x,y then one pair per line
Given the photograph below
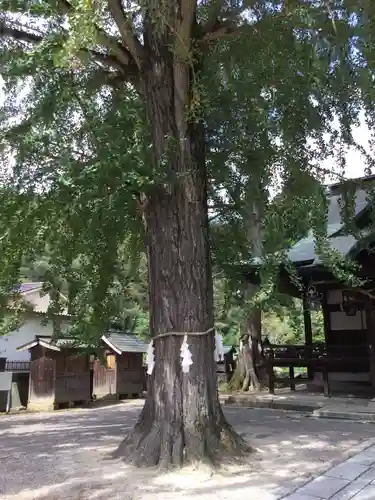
x,y
271,375
308,333
370,320
326,386
326,319
292,380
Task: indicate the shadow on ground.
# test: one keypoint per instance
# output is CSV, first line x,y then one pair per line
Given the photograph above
x,y
64,455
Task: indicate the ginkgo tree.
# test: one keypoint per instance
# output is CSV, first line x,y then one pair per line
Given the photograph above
x,y
280,129
105,115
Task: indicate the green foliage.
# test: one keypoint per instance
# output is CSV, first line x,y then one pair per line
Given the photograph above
x,y
293,101
10,321
282,322
288,327
82,151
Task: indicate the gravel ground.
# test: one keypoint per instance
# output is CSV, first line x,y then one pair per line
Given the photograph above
x,y
64,455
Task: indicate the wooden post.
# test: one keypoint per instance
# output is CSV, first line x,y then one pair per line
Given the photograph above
x,y
326,319
9,400
308,334
291,378
271,375
327,389
370,320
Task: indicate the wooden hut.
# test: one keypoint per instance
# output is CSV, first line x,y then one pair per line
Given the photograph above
x,y
345,361
59,374
121,373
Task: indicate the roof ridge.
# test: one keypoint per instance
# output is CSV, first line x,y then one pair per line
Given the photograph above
x,y
365,178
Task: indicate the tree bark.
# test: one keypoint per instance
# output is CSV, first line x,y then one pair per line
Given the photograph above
x,y
182,421
251,372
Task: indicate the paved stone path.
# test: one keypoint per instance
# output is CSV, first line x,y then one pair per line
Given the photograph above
x,y
353,479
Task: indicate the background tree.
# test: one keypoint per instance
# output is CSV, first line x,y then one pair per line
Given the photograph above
x,y
272,141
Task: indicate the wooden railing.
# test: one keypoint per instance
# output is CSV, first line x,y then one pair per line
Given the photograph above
x,y
318,357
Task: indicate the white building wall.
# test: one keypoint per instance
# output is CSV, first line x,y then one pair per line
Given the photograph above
x,y
26,333
340,320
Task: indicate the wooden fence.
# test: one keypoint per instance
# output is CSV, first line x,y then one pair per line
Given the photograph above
x,y
104,380
17,366
42,378
72,387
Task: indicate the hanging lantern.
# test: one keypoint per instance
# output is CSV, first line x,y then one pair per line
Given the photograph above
x,y
348,305
314,298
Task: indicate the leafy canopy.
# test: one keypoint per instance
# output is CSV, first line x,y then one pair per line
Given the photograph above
x,y
270,79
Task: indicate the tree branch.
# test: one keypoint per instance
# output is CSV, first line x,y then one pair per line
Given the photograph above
x,y
222,29
122,54
224,24
132,42
361,291
16,34
215,12
223,206
23,36
187,14
214,217
65,5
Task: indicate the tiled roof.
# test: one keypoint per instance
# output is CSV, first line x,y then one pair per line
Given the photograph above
x,y
28,287
304,250
334,209
50,343
121,342
125,342
64,342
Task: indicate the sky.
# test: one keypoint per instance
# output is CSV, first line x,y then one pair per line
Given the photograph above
x,y
355,163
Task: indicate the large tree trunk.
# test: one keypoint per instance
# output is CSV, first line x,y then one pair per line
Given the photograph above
x,y
182,420
251,372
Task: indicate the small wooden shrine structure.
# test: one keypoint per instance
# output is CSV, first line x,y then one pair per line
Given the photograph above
x,y
345,361
120,374
62,375
59,373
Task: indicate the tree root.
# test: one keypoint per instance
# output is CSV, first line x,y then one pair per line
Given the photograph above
x,y
247,376
164,446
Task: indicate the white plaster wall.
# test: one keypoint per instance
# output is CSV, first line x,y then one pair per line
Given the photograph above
x,y
39,303
26,333
341,321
